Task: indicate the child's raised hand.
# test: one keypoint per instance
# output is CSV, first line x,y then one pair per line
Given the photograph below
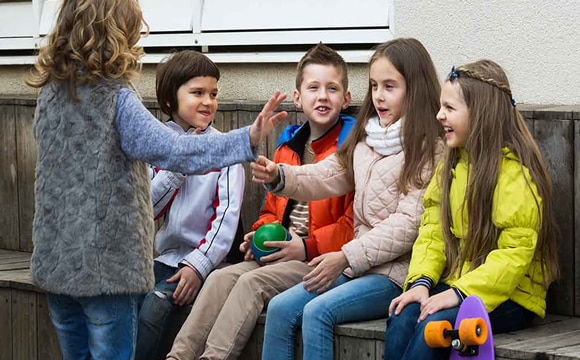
x,y
418,294
265,171
246,246
267,120
444,300
188,286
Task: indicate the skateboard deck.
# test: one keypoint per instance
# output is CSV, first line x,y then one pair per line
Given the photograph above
x,y
470,338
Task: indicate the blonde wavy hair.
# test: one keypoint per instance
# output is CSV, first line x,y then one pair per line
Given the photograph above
x,y
92,40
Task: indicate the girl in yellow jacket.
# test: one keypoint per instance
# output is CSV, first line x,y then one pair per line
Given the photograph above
x,y
488,228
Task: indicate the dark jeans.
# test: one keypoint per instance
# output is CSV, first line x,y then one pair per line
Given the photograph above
x,y
155,314
404,336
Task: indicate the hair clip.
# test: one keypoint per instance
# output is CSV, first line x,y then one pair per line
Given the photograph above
x,y
513,102
453,74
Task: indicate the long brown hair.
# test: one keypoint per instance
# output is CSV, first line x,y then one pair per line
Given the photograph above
x,y
92,39
495,123
420,129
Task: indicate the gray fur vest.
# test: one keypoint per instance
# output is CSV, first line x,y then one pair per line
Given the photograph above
x,y
93,223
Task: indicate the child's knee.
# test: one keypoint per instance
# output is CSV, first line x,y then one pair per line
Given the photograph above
x,y
316,312
277,306
156,307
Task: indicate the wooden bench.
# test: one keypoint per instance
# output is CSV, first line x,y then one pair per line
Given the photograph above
x,y
27,333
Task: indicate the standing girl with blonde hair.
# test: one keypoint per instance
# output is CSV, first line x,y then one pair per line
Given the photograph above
x,y
488,227
93,223
387,160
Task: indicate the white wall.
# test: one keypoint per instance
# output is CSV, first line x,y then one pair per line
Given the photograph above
x,y
536,42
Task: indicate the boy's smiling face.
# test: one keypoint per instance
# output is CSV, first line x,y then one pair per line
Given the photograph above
x,y
197,103
321,96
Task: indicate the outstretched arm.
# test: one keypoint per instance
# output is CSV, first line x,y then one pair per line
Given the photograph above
x,y
144,138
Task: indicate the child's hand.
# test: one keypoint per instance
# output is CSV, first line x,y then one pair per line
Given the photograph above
x,y
444,300
418,294
289,250
328,268
266,120
187,287
265,171
246,246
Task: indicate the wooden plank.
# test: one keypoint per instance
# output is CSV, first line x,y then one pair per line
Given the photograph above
x,y
299,348
548,344
8,256
380,350
258,335
6,329
253,193
19,265
26,155
48,347
24,342
226,120
555,140
576,218
19,279
372,329
355,349
8,181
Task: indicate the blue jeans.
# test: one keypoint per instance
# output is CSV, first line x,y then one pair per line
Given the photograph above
x,y
100,327
154,315
404,336
347,300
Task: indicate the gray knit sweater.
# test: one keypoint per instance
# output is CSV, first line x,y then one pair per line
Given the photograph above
x,y
93,223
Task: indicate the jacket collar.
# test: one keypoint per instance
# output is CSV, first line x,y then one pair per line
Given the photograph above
x,y
175,126
296,136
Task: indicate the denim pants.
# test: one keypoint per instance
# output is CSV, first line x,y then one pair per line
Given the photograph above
x,y
404,336
100,327
154,315
347,300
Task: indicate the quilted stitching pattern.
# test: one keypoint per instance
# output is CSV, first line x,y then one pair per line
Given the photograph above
x,y
386,220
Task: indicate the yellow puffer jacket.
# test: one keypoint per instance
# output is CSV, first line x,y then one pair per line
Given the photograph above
x,y
510,271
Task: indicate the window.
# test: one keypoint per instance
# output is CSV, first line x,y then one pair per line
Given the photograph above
x,y
227,30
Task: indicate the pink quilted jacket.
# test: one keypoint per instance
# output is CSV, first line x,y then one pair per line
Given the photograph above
x,y
386,221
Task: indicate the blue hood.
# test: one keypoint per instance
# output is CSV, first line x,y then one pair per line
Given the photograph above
x,y
291,130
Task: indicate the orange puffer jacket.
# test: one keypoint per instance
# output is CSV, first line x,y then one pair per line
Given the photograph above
x,y
330,220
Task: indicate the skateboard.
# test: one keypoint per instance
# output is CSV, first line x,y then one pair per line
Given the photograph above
x,y
470,338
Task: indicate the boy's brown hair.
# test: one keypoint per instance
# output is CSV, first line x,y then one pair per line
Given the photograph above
x,y
322,55
175,71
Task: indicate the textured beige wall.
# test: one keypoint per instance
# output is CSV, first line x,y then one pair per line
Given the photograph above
x,y
238,81
258,81
536,41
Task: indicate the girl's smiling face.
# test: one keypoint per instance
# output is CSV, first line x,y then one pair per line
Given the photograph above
x,y
388,88
454,115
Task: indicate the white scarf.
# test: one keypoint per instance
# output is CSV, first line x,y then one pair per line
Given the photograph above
x,y
385,141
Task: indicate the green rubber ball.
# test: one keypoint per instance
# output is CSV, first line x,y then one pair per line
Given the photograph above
x,y
269,232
